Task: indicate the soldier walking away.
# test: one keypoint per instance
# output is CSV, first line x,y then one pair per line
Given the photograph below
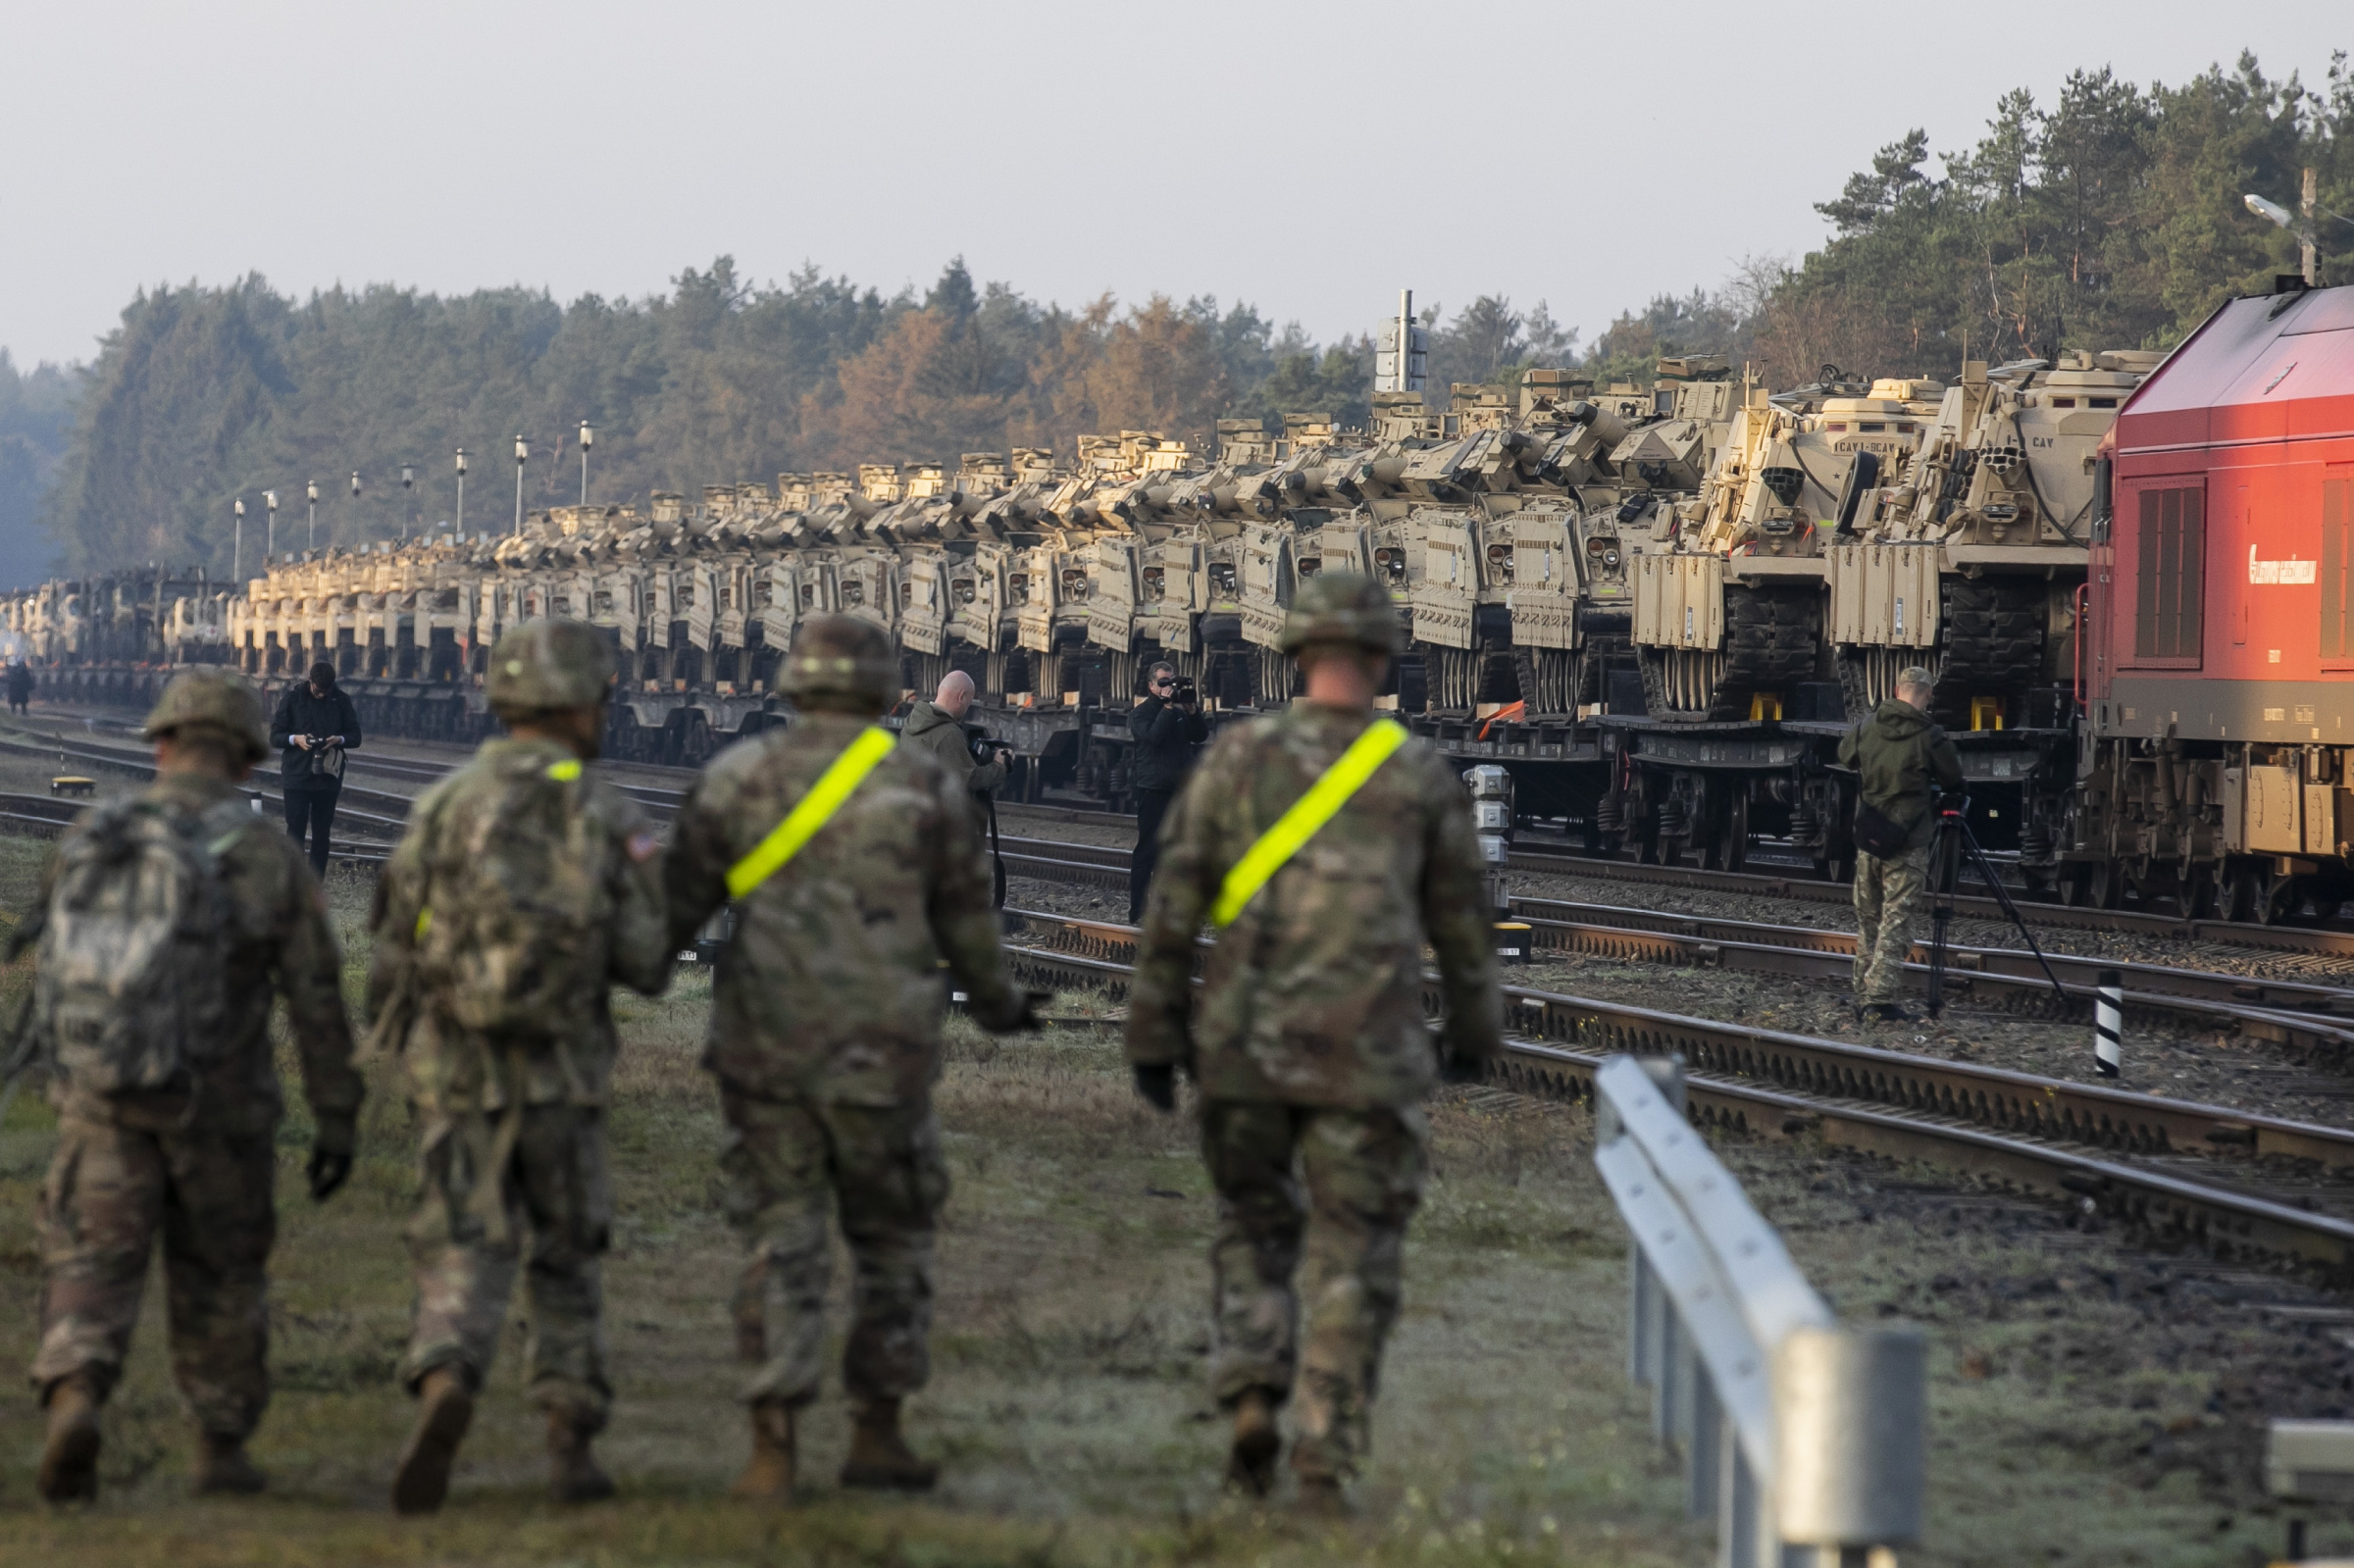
x,y
19,686
1899,755
1327,847
315,725
168,922
525,890
1167,726
856,872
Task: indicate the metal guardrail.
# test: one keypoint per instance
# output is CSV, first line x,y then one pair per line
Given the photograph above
x,y
1803,1439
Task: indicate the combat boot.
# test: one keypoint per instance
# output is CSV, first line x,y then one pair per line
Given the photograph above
x,y
70,1459
1250,1465
572,1475
769,1476
221,1469
880,1457
445,1410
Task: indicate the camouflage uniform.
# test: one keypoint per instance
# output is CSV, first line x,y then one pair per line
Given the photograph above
x,y
825,1037
198,1164
1309,1046
512,1129
1899,753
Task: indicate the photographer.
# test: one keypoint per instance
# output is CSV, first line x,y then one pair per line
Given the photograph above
x,y
980,766
315,725
1167,726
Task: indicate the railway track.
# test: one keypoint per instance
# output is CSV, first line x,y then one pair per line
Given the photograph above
x,y
2312,1021
2149,1161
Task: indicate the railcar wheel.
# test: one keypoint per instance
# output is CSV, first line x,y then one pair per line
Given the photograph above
x,y
2105,887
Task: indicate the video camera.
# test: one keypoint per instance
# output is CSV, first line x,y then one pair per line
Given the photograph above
x,y
982,747
1186,690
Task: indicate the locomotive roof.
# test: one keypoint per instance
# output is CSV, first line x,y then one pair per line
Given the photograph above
x,y
2268,367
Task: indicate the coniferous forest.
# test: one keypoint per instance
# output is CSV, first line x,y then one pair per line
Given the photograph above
x,y
2110,216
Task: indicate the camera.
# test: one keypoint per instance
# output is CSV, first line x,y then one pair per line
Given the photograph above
x,y
1186,690
982,747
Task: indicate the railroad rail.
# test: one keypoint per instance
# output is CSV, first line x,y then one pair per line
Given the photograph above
x,y
2071,1140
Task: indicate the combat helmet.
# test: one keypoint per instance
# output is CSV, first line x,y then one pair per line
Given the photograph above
x,y
1343,607
838,656
216,696
550,663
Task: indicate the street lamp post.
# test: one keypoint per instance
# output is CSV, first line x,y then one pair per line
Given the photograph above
x,y
409,479
236,551
354,518
523,454
588,437
270,530
312,489
461,493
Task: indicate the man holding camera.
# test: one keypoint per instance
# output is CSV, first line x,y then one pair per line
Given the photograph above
x,y
1900,756
315,725
1167,726
980,767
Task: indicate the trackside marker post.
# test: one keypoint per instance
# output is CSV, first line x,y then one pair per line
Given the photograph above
x,y
2108,1024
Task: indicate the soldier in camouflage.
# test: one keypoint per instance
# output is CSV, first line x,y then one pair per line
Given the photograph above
x,y
524,890
824,1033
1899,755
196,1161
1308,1045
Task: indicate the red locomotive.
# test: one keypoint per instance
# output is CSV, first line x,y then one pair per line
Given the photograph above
x,y
2217,674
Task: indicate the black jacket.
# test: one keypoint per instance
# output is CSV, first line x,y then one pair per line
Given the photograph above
x,y
1899,755
301,714
1165,736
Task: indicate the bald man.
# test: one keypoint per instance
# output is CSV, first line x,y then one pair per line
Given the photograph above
x,y
938,726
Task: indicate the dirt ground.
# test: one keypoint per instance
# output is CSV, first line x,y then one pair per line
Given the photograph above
x,y
2090,1401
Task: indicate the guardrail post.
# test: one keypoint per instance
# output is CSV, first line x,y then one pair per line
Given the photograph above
x,y
1851,1411
1704,1454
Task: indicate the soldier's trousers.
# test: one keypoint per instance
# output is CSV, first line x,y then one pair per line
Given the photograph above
x,y
1887,893
547,1210
1326,1194
786,1164
110,1191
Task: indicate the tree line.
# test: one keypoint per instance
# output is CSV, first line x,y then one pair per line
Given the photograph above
x,y
2110,218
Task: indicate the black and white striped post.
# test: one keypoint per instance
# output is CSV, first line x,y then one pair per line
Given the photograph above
x,y
2108,1024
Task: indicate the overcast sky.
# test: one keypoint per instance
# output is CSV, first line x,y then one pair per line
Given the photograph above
x,y
1308,158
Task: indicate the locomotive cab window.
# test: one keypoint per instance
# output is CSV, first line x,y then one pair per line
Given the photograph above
x,y
2169,597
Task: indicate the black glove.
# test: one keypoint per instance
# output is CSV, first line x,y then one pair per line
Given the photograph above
x,y
328,1171
1457,1068
1156,1083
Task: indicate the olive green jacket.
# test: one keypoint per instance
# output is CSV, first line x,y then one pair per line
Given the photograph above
x,y
833,986
1313,996
1898,754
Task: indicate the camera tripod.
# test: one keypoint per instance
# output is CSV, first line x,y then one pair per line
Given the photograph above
x,y
1953,838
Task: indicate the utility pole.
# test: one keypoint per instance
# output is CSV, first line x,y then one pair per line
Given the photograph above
x,y
461,493
270,532
408,478
312,489
523,453
589,435
354,518
2311,199
236,551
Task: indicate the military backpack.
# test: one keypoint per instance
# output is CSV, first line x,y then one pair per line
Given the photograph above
x,y
516,902
131,991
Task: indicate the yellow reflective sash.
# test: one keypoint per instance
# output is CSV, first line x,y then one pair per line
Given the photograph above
x,y
1311,812
816,809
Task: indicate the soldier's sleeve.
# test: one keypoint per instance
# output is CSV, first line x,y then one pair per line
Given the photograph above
x,y
640,950
695,871
964,921
1944,761
1193,857
392,919
310,977
1851,746
1454,916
